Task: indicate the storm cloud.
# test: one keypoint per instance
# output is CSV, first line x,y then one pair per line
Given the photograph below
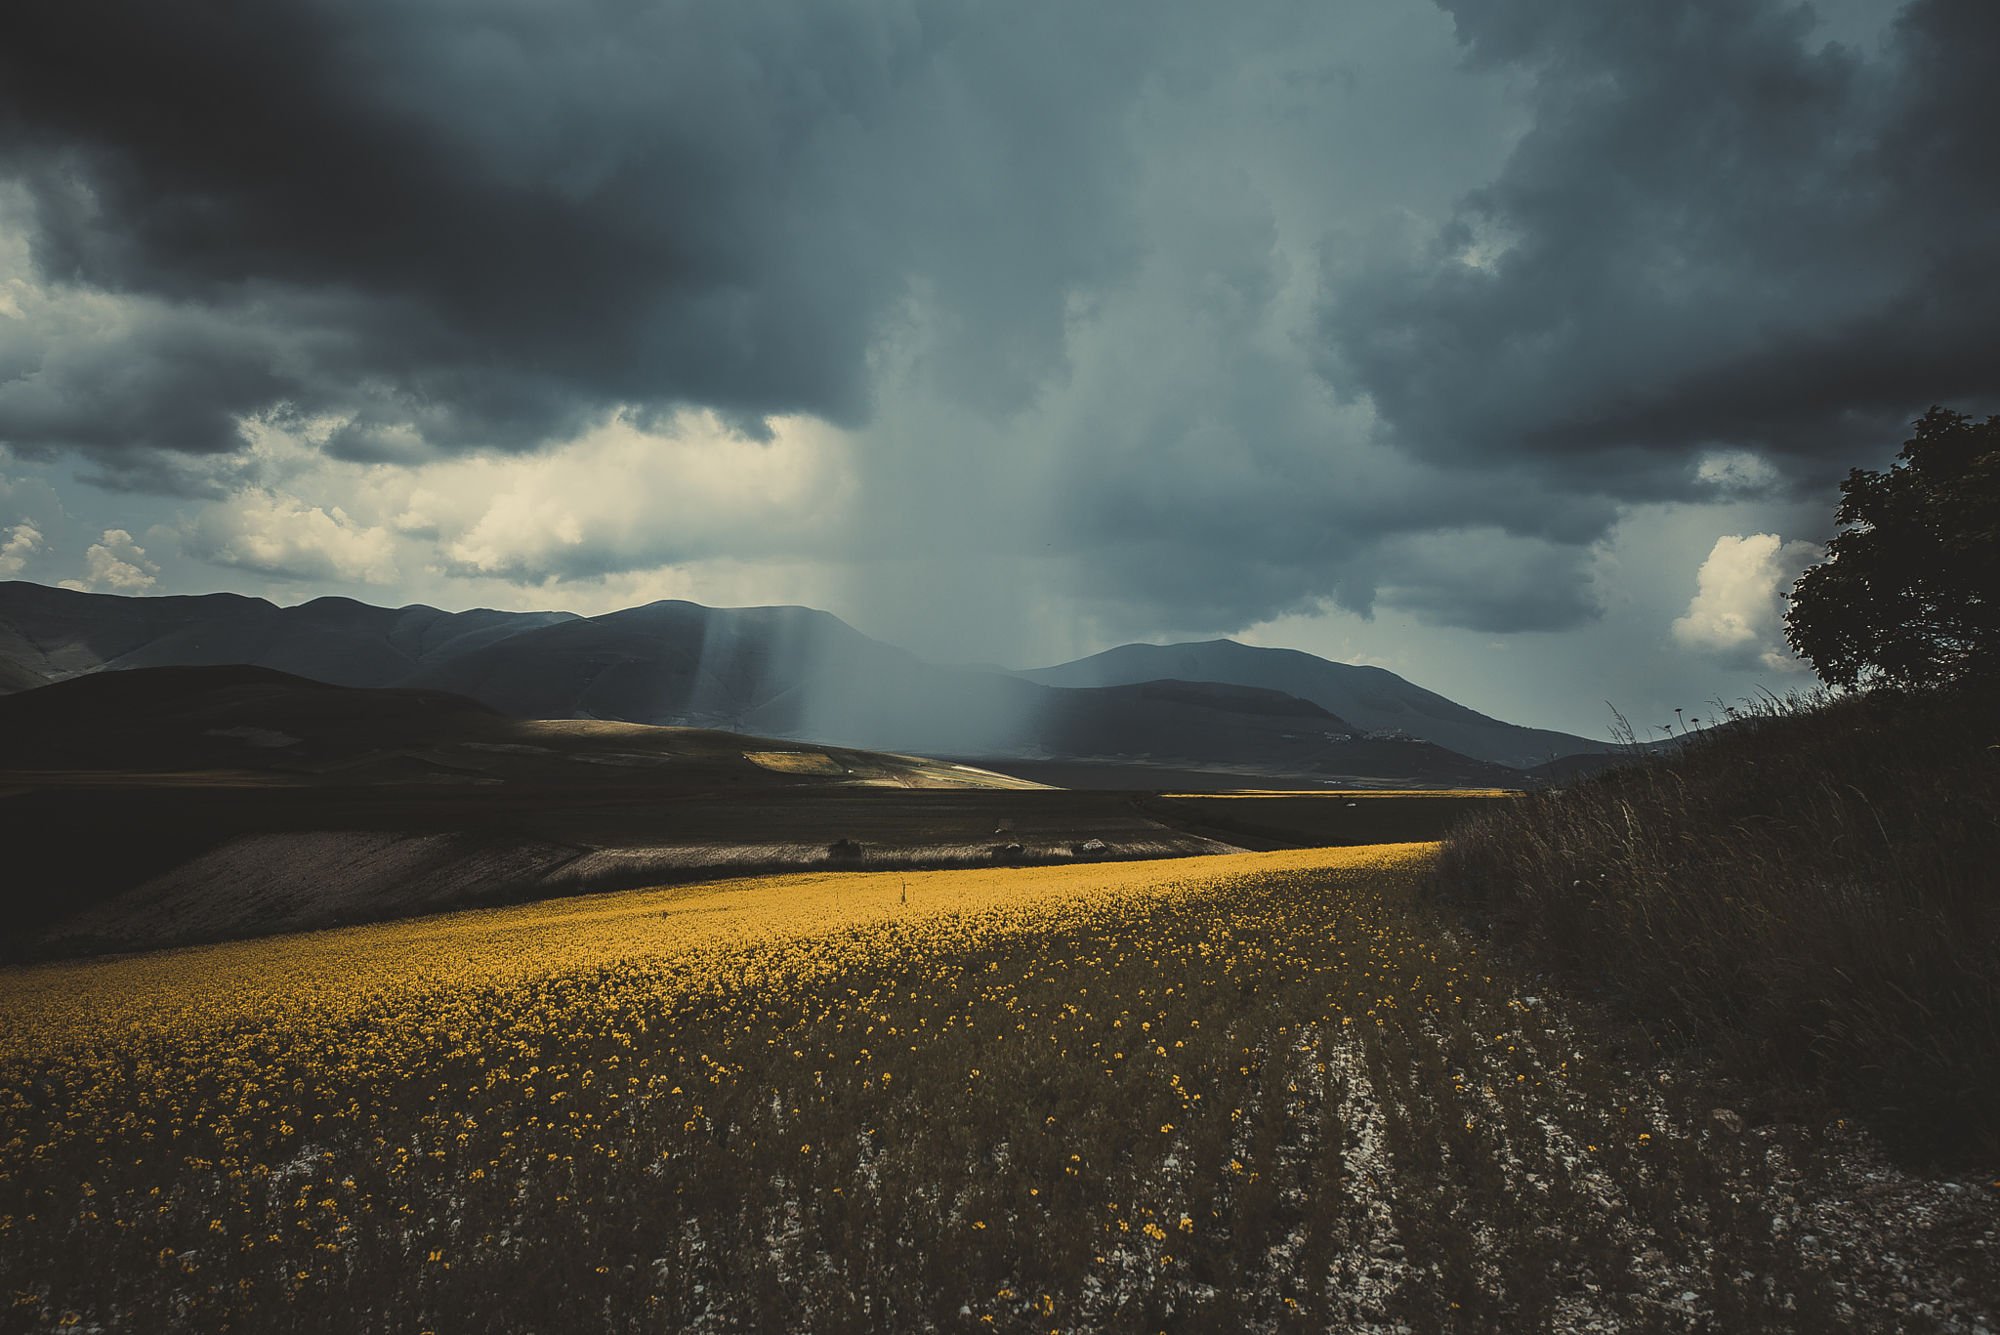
x,y
1020,329
1721,230
457,228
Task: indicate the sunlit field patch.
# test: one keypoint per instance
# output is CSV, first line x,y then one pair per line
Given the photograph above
x,y
1348,794
1257,1092
794,762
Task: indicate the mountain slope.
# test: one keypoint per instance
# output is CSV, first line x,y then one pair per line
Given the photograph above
x,y
770,671
795,672
52,634
227,717
1370,698
787,671
240,724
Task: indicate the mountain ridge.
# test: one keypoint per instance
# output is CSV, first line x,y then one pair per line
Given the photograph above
x,y
784,671
1371,698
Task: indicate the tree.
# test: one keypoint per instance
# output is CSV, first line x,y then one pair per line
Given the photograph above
x,y
1909,593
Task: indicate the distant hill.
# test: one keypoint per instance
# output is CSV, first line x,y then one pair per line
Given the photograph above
x,y
50,634
228,716
771,671
789,670
255,723
786,671
1370,698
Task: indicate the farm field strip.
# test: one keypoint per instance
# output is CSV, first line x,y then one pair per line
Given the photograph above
x,y
1257,1092
759,928
1342,794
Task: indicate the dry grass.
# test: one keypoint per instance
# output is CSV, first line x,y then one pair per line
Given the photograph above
x,y
1806,892
795,762
1258,1092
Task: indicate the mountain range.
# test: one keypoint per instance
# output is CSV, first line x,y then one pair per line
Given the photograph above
x,y
1370,698
799,673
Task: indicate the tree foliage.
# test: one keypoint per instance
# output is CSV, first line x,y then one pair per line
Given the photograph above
x,y
1909,593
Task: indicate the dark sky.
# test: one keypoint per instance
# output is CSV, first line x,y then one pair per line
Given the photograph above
x,y
1516,345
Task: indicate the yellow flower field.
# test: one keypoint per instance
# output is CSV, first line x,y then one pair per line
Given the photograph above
x,y
1244,1092
762,931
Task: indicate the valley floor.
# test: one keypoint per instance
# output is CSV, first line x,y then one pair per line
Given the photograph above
x,y
1252,1091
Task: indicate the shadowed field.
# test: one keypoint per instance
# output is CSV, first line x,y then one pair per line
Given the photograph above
x,y
183,805
1258,1091
1268,820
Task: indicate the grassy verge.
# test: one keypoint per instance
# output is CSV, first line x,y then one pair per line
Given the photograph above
x,y
1807,892
1261,1093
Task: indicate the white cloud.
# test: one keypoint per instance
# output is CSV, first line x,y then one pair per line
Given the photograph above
x,y
621,498
115,565
279,535
23,541
1737,613
641,506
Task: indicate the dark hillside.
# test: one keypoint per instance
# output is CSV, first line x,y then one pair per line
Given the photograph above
x,y
18,677
206,717
55,633
1809,892
1246,728
1369,698
789,671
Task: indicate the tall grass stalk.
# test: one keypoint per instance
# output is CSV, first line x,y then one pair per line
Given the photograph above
x,y
1810,889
